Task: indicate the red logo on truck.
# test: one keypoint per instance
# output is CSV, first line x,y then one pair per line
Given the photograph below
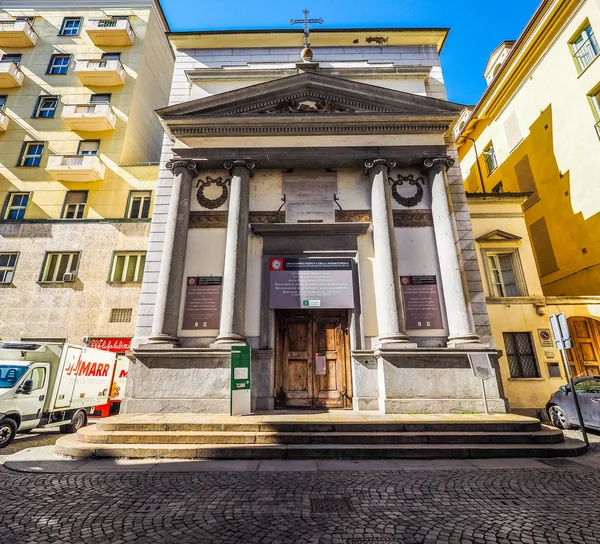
x,y
87,368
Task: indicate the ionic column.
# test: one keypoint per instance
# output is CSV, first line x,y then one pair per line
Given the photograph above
x,y
233,300
170,278
460,325
388,297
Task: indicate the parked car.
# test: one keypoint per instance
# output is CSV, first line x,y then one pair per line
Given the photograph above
x,y
561,407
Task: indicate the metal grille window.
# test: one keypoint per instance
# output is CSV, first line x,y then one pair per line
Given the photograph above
x,y
16,205
31,154
139,204
75,203
59,64
521,355
120,315
46,106
59,267
128,267
584,47
490,158
503,277
8,263
70,26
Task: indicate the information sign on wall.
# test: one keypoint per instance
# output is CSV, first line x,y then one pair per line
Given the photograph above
x,y
421,302
309,197
545,336
202,308
310,283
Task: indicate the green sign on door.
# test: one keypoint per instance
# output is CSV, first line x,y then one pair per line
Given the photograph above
x,y
240,381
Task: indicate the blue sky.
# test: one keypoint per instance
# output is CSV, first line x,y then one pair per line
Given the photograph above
x,y
476,29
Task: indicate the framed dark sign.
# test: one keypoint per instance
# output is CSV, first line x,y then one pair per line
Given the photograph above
x,y
421,302
202,308
310,283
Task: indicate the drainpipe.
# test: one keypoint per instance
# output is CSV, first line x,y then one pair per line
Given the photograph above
x,y
477,161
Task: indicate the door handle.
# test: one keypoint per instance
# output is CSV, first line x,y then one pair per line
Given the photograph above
x,y
41,397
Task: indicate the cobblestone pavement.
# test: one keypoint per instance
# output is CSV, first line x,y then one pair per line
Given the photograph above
x,y
553,505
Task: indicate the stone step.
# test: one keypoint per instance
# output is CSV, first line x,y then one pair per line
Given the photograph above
x,y
528,425
94,435
70,446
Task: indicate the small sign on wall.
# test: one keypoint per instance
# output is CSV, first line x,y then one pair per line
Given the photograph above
x,y
421,302
545,336
202,308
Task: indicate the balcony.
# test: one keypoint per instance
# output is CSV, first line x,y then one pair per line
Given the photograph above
x,y
17,34
4,120
76,167
10,75
100,72
89,117
111,32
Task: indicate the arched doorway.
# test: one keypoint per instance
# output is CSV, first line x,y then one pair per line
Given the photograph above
x,y
584,356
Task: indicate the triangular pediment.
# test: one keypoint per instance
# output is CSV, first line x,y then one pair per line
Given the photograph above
x,y
498,236
311,94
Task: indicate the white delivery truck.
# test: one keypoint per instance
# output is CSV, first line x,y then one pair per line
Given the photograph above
x,y
50,385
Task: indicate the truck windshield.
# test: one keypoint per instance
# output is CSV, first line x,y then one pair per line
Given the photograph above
x,y
9,375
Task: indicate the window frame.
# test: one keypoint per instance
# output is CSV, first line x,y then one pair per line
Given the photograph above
x,y
66,205
8,206
3,99
490,152
114,55
517,270
130,204
79,20
5,270
518,355
39,103
69,269
8,57
79,152
23,155
51,66
109,95
138,272
593,42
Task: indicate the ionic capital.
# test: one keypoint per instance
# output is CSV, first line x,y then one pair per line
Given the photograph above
x,y
179,164
248,164
445,162
372,163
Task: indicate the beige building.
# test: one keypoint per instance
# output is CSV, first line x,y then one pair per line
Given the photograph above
x,y
79,152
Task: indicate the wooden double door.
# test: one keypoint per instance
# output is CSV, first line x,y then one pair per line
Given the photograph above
x,y
584,356
312,357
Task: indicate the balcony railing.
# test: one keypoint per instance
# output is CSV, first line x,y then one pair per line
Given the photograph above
x,y
17,34
101,72
586,52
10,75
76,167
110,31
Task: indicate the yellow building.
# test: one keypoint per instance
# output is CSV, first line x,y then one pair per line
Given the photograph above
x,y
536,129
79,152
529,152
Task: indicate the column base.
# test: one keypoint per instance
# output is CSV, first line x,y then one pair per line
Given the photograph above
x,y
229,340
396,341
165,341
467,341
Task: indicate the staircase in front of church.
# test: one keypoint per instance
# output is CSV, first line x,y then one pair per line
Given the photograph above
x,y
327,435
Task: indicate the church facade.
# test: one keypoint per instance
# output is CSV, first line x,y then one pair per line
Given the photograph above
x,y
310,206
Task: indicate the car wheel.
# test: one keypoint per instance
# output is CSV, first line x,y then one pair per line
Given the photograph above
x,y
558,417
8,430
78,421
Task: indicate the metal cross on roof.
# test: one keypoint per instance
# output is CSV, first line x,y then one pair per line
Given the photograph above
x,y
306,21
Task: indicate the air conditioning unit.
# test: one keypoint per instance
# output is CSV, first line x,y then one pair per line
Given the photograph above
x,y
69,277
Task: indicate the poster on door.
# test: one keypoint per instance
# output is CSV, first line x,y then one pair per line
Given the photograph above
x,y
310,283
421,302
202,308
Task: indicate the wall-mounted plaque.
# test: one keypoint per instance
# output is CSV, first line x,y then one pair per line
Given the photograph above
x,y
310,283
421,302
202,308
309,197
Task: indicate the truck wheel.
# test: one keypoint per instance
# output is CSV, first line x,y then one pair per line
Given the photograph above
x,y
8,430
78,421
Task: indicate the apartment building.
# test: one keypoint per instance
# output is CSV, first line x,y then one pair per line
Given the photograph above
x,y
79,151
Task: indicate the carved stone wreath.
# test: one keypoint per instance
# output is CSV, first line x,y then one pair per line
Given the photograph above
x,y
212,203
407,202
324,105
